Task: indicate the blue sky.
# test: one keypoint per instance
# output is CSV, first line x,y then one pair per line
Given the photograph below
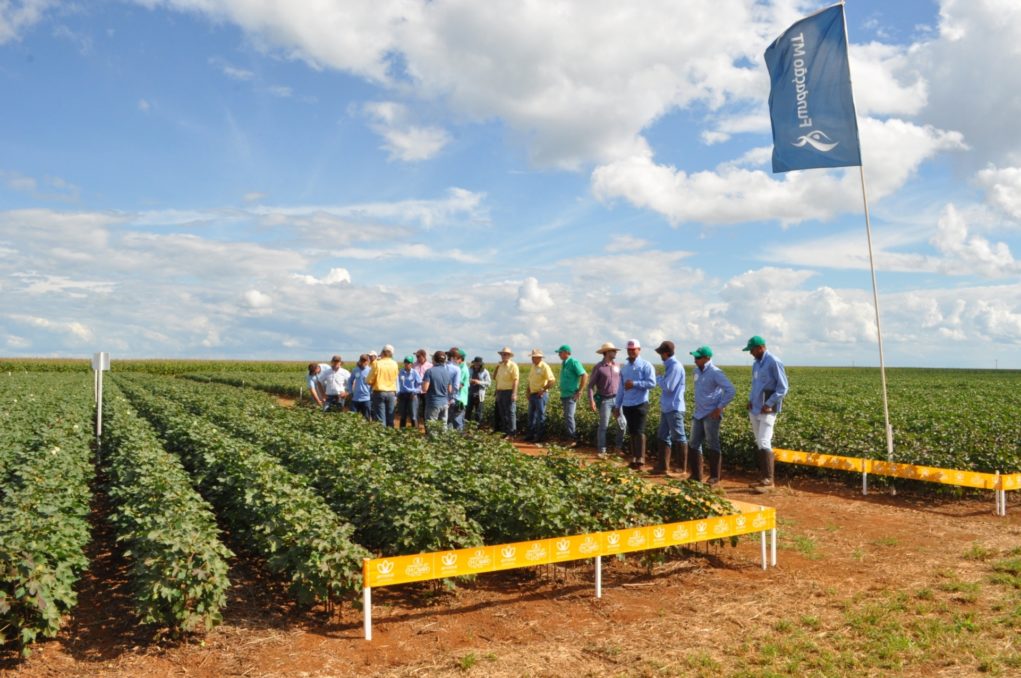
x,y
288,180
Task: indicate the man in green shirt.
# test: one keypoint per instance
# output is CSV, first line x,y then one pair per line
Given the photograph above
x,y
573,379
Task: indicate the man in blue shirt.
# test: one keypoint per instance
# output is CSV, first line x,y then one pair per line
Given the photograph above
x,y
358,387
409,386
438,386
769,386
637,377
671,408
713,392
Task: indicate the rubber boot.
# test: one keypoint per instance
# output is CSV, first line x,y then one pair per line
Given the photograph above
x,y
767,461
662,456
679,454
695,464
715,466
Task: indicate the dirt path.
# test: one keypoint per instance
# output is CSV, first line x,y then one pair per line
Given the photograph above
x,y
856,576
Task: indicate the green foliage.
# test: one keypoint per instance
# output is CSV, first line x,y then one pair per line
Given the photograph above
x,y
269,509
45,504
178,564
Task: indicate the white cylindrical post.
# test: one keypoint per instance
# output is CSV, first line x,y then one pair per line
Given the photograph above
x,y
99,406
95,385
367,611
772,546
599,576
764,563
864,483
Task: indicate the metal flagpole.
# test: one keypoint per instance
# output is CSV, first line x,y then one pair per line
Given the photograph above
x,y
872,269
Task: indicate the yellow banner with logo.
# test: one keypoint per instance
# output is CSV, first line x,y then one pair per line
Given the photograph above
x,y
931,474
424,566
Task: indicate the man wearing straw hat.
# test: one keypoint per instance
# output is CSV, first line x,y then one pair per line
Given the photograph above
x,y
505,382
540,381
637,378
769,386
602,390
713,392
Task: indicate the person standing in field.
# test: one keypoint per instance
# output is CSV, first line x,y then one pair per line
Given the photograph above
x,y
713,392
602,391
437,386
572,380
315,389
383,380
478,382
540,381
334,380
505,380
409,387
670,433
637,378
769,386
361,392
421,365
455,417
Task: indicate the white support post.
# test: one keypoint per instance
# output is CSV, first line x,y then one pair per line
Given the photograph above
x,y
599,576
764,562
772,546
367,611
864,483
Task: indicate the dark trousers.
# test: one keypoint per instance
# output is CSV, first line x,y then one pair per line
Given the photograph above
x,y
407,409
635,416
506,412
362,407
474,411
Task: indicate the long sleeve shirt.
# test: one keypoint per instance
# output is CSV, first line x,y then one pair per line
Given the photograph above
x,y
409,381
484,380
769,383
712,390
356,385
605,380
672,384
334,380
643,378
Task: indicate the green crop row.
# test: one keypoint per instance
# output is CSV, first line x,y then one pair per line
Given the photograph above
x,y
43,513
269,510
178,564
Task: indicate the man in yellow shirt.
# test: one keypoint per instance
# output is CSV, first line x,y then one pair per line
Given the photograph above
x,y
383,380
505,381
540,381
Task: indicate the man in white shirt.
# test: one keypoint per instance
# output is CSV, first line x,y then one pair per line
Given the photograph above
x,y
334,379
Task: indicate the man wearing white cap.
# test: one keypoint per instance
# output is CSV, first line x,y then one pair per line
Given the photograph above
x,y
505,382
637,378
602,391
540,381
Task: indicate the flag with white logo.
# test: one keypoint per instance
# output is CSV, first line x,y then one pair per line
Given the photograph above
x,y
811,105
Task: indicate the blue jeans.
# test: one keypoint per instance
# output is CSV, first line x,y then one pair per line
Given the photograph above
x,y
383,405
362,407
436,412
705,430
605,408
407,409
671,427
455,416
570,405
333,403
537,415
506,412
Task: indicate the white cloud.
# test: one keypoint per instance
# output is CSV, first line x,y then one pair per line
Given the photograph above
x,y
144,105
971,254
532,298
35,284
620,243
282,91
19,15
1003,188
73,329
335,276
404,141
253,196
257,300
892,149
17,343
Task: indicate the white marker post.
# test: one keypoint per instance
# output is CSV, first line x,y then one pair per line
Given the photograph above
x,y
599,576
100,364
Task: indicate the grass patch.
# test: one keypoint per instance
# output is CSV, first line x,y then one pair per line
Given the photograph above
x,y
806,546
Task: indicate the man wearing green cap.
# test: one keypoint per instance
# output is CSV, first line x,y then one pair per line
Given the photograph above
x,y
713,392
769,386
572,380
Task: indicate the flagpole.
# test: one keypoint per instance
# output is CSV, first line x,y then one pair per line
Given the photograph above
x,y
872,269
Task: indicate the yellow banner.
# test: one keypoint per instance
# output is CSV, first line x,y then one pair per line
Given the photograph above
x,y
983,481
424,566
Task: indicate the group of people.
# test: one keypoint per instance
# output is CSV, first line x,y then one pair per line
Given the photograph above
x,y
446,390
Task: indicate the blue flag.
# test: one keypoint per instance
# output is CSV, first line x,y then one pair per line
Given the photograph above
x,y
810,102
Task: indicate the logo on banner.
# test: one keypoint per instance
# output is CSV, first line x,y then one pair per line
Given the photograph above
x,y
636,538
563,547
760,521
536,552
508,552
721,526
701,528
479,560
417,568
613,539
385,567
658,533
740,521
588,545
681,533
817,139
449,559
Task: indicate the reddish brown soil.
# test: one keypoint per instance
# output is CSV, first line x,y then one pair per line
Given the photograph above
x,y
651,619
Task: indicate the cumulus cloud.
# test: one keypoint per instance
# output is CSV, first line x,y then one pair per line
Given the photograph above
x,y
404,141
73,328
971,254
532,298
1003,189
335,276
257,300
17,16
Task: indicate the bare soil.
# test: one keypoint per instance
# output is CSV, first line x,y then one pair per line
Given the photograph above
x,y
703,611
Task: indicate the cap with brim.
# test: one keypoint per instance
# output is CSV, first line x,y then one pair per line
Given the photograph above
x,y
536,353
335,359
477,360
754,342
564,348
608,346
505,351
666,347
634,343
372,354
702,352
409,359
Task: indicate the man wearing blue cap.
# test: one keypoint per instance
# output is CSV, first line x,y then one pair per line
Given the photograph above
x,y
713,392
769,386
